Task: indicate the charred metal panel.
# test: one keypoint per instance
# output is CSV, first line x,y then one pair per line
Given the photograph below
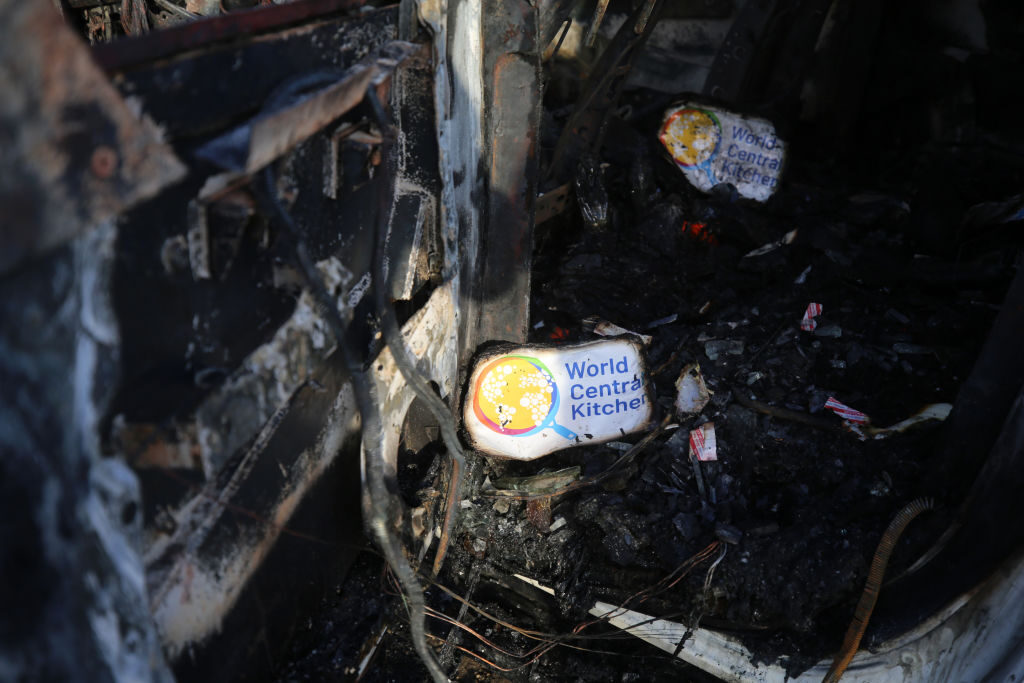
x,y
198,334
412,207
181,337
415,254
277,129
202,91
223,349
196,574
202,34
269,377
221,382
301,568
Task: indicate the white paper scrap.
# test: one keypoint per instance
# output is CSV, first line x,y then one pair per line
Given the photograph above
x,y
692,394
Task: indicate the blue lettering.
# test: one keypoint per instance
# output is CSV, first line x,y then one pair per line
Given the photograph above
x,y
572,391
634,403
622,366
591,391
620,405
747,136
576,371
591,370
608,409
577,411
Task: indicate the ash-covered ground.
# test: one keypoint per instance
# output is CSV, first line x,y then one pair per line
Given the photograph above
x,y
798,501
890,233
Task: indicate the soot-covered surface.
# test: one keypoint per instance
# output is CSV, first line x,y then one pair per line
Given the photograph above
x,y
806,500
810,501
909,277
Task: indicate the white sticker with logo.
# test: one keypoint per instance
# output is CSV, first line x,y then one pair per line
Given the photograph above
x,y
527,401
712,146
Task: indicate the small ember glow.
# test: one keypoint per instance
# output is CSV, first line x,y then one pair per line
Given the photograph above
x,y
699,231
559,333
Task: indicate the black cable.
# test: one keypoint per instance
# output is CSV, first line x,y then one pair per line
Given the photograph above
x,y
393,335
380,499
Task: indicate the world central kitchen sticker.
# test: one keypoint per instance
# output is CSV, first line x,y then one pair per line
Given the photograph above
x,y
712,146
527,401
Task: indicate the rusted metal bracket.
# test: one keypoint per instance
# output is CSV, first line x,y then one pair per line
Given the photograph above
x,y
512,90
350,139
222,189
206,244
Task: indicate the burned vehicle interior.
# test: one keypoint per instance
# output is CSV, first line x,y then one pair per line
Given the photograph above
x,y
268,267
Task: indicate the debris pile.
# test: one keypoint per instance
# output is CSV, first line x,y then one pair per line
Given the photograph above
x,y
759,456
773,324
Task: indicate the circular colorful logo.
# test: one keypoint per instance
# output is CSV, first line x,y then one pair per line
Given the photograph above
x,y
692,137
517,396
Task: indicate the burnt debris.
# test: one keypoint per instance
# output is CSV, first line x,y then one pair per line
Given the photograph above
x,y
505,340
798,493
